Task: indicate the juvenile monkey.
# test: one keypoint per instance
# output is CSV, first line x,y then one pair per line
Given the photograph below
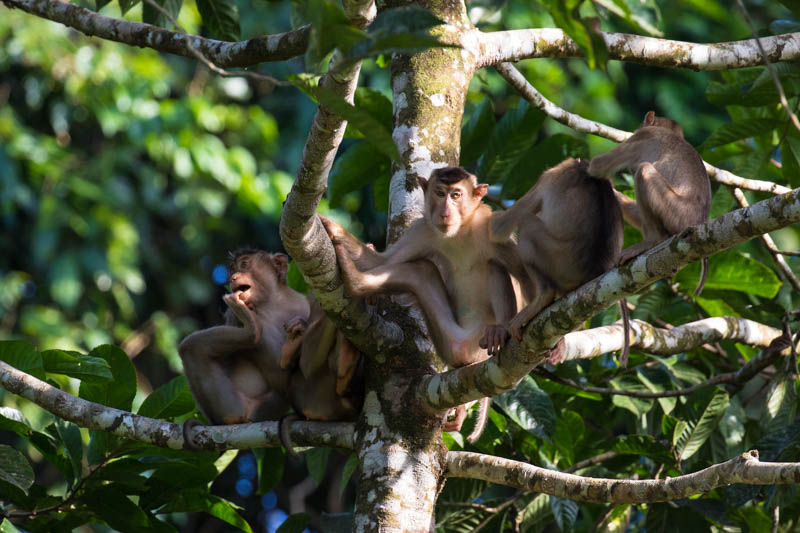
x,y
234,370
449,248
672,187
570,231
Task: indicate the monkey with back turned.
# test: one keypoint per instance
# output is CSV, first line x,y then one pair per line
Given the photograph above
x,y
671,184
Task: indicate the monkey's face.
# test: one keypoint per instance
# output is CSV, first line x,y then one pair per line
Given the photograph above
x,y
450,206
253,276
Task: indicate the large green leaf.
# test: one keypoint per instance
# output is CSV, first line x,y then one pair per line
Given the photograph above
x,y
76,365
475,132
169,400
119,392
73,444
7,527
329,29
193,500
22,356
347,472
565,512
512,137
271,462
221,17
317,463
566,16
733,271
530,407
376,104
15,469
357,167
116,509
691,434
735,131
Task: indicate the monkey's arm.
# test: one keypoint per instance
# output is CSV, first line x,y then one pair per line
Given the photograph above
x,y
412,245
630,210
215,342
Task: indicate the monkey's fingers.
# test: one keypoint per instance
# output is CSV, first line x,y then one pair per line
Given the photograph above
x,y
458,415
334,230
295,326
289,351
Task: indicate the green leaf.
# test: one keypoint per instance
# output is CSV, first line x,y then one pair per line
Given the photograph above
x,y
790,151
535,512
735,131
169,400
691,434
732,271
569,431
336,522
76,365
126,5
565,512
116,509
644,445
781,406
295,523
8,527
221,18
73,444
271,462
151,15
193,500
536,160
329,29
317,463
475,132
119,392
513,136
530,407
376,104
357,167
22,356
374,132
15,469
347,472
566,15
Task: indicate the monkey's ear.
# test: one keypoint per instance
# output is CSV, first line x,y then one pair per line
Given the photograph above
x,y
281,262
423,182
650,118
480,190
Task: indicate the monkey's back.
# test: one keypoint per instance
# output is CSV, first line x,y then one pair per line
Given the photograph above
x,y
580,231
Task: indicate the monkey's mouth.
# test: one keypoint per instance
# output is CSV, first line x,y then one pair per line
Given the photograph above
x,y
242,287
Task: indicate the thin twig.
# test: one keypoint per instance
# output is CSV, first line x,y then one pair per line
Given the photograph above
x,y
584,125
591,461
776,254
770,67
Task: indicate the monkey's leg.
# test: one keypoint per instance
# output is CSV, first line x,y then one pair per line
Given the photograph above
x,y
630,210
363,255
544,293
665,209
347,360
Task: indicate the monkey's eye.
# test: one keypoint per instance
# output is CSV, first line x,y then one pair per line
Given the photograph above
x,y
456,195
440,193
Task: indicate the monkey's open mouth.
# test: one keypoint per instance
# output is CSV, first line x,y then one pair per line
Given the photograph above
x,y
240,288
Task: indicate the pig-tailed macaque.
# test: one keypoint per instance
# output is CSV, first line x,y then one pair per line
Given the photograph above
x,y
672,187
240,372
447,261
570,232
234,370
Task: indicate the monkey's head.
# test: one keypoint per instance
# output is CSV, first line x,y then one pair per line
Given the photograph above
x,y
257,274
451,197
650,119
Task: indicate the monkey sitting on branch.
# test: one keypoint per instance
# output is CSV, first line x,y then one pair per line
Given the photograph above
x,y
570,232
671,184
463,281
236,371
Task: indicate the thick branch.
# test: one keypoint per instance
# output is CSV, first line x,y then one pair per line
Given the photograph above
x,y
278,47
514,45
590,343
583,125
743,469
501,373
166,434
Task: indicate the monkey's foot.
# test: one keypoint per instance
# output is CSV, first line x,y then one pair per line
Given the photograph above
x,y
558,353
454,418
494,339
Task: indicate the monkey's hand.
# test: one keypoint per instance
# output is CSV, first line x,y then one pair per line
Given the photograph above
x,y
238,305
335,231
295,331
494,338
454,418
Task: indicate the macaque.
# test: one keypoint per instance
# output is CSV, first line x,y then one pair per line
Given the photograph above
x,y
461,279
672,187
243,371
570,231
234,370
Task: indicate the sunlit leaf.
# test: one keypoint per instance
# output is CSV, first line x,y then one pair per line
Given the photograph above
x,y
530,407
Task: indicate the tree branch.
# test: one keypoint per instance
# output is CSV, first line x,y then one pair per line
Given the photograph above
x,y
278,47
515,45
501,373
745,468
583,125
166,434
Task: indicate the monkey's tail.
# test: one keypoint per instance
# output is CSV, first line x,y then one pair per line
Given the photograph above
x,y
626,332
480,422
283,432
703,274
188,426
